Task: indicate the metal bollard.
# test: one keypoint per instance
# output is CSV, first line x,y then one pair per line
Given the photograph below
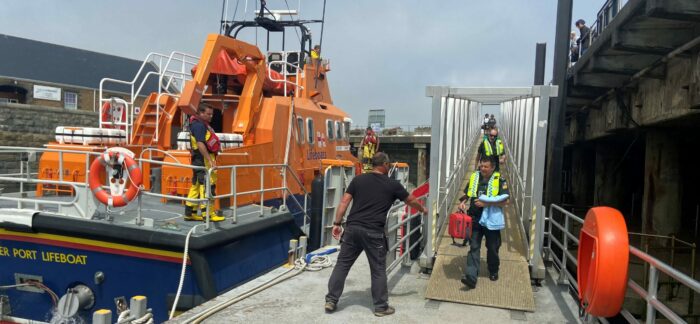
x,y
102,316
303,242
292,253
138,306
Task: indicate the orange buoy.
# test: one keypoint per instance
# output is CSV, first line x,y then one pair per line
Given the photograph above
x,y
603,259
134,174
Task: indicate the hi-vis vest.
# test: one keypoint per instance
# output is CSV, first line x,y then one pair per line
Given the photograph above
x,y
488,149
492,188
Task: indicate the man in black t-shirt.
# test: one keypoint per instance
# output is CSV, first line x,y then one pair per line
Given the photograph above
x,y
372,195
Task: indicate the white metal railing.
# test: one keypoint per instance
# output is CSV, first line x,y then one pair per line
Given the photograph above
x,y
406,216
24,178
175,68
568,234
285,65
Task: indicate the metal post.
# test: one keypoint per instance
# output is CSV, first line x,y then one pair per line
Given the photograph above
x,y
562,272
407,244
540,59
284,179
691,292
673,257
262,192
557,115
652,290
235,195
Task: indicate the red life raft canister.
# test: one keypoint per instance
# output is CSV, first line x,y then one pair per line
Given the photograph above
x,y
603,259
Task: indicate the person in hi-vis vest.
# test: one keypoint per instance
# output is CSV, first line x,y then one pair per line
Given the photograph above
x,y
486,190
204,147
492,146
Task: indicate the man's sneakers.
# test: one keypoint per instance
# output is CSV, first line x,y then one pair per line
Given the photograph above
x,y
330,307
493,276
386,312
469,282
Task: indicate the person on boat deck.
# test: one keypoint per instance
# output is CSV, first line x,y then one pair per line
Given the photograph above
x,y
205,146
486,182
316,52
491,146
369,145
372,194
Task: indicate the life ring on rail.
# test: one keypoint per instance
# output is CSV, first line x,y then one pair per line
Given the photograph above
x,y
120,167
603,259
113,112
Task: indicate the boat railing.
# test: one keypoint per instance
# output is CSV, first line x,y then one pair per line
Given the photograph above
x,y
407,228
567,235
175,68
287,70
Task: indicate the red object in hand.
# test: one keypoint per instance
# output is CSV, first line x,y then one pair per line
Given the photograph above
x,y
460,226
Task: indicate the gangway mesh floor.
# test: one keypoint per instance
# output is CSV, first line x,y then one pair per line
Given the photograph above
x,y
511,291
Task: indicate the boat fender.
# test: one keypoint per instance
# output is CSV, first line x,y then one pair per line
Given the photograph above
x,y
109,160
603,259
320,253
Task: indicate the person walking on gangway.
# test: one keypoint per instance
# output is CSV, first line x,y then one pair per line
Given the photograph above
x,y
372,195
486,194
492,145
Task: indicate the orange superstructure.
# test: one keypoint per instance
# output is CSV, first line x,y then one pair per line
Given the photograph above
x,y
282,109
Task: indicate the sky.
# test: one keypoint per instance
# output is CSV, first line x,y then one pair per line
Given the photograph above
x,y
383,53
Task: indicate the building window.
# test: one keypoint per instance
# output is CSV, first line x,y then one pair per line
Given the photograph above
x,y
310,129
70,100
329,129
347,130
300,130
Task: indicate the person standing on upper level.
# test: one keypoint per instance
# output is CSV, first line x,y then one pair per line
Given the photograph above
x,y
585,36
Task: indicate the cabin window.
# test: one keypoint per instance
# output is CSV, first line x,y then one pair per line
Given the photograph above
x,y
347,130
338,131
310,130
300,130
329,129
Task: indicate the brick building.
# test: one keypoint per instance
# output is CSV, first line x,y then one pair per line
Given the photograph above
x,y
44,74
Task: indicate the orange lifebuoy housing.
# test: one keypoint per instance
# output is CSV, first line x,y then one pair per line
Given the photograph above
x,y
109,115
603,259
135,176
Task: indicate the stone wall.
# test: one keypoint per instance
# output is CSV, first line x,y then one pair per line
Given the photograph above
x,y
34,126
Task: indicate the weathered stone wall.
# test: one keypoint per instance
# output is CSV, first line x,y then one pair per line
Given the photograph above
x,y
34,126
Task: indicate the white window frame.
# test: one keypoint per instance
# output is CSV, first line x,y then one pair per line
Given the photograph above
x,y
339,133
66,104
310,130
300,130
330,131
347,126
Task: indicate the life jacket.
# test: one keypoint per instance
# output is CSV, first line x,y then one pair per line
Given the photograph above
x,y
211,141
494,185
488,149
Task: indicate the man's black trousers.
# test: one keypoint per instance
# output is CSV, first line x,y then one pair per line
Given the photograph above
x,y
493,243
354,241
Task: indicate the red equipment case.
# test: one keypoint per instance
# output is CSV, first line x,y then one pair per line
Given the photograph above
x,y
460,227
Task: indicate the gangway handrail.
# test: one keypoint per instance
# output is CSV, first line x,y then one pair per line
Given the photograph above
x,y
655,265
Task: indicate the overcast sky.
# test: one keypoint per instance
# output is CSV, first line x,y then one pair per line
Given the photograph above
x,y
383,53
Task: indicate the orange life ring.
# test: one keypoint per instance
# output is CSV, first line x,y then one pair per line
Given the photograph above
x,y
96,185
107,115
603,259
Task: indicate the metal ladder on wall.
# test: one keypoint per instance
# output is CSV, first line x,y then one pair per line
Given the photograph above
x,y
335,180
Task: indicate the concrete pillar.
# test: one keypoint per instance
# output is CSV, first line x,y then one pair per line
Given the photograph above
x,y
422,165
609,184
661,205
582,177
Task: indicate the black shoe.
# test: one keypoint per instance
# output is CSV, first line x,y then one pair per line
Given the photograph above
x,y
330,307
493,277
470,283
388,311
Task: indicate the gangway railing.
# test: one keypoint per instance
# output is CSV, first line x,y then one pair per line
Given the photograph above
x,y
402,216
567,235
523,130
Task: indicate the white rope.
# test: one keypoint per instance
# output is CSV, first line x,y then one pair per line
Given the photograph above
x,y
316,263
184,267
